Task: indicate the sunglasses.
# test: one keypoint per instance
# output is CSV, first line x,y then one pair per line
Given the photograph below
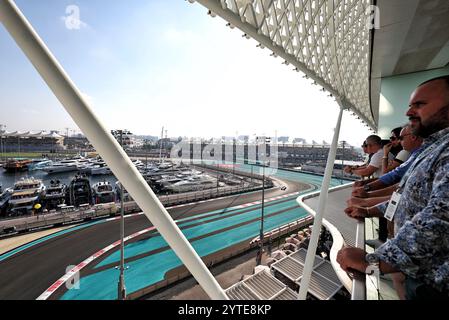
x,y
402,137
393,138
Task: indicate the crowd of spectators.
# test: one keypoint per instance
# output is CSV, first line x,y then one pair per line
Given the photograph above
x,y
405,183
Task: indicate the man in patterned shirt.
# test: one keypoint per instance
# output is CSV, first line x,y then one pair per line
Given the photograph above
x,y
420,248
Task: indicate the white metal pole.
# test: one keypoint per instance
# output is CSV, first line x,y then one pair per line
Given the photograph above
x,y
121,283
103,141
160,147
310,258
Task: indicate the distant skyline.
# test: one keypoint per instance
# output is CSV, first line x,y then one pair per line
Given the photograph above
x,y
240,137
144,65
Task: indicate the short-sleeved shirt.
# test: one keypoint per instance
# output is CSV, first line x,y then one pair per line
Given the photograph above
x,y
376,161
402,156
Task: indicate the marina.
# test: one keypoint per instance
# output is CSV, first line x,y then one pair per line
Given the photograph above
x,y
77,183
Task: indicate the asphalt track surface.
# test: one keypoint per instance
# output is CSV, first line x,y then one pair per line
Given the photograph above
x,y
27,274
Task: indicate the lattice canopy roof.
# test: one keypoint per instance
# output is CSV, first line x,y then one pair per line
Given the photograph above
x,y
328,40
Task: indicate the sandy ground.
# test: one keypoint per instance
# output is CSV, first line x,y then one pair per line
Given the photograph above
x,y
16,241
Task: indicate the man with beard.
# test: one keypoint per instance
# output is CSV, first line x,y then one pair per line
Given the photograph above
x,y
420,207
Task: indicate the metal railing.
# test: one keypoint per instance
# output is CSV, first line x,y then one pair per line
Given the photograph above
x,y
357,285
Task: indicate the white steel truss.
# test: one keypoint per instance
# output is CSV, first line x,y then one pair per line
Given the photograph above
x,y
328,40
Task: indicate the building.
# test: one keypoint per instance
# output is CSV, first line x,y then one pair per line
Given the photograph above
x,y
31,142
289,155
124,137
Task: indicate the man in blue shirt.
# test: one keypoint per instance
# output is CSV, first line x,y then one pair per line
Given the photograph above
x,y
420,247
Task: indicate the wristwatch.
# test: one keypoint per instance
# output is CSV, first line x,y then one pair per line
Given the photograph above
x,y
367,187
373,261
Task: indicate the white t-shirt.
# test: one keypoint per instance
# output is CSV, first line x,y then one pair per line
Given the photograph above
x,y
376,161
402,156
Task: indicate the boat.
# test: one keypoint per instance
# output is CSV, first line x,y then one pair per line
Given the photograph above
x,y
231,180
39,164
102,192
62,166
26,193
79,191
101,168
85,168
138,164
4,200
55,194
17,165
29,184
164,165
126,196
167,180
194,183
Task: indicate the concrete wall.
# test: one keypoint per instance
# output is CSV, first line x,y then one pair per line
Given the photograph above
x,y
395,94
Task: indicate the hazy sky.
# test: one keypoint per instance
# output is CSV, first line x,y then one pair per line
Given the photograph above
x,y
148,64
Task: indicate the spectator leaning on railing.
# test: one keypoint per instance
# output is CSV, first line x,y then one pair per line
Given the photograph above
x,y
374,167
383,185
420,247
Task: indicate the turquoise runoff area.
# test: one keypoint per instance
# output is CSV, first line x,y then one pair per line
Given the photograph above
x,y
148,270
154,243
151,269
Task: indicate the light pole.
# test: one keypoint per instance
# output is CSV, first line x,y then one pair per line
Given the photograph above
x,y
121,281
261,238
160,146
217,178
259,256
1,140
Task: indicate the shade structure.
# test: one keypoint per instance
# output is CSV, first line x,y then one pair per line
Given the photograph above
x,y
328,40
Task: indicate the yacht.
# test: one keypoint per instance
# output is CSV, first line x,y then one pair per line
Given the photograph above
x,y
62,166
231,180
167,180
4,199
26,193
79,191
164,165
85,168
55,194
39,164
138,164
194,183
17,165
100,168
103,192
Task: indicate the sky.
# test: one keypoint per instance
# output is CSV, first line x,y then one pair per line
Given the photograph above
x,y
142,65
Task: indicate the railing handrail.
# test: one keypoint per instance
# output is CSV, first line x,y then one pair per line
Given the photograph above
x,y
356,286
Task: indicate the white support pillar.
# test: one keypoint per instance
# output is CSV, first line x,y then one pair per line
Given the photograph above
x,y
310,258
103,141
